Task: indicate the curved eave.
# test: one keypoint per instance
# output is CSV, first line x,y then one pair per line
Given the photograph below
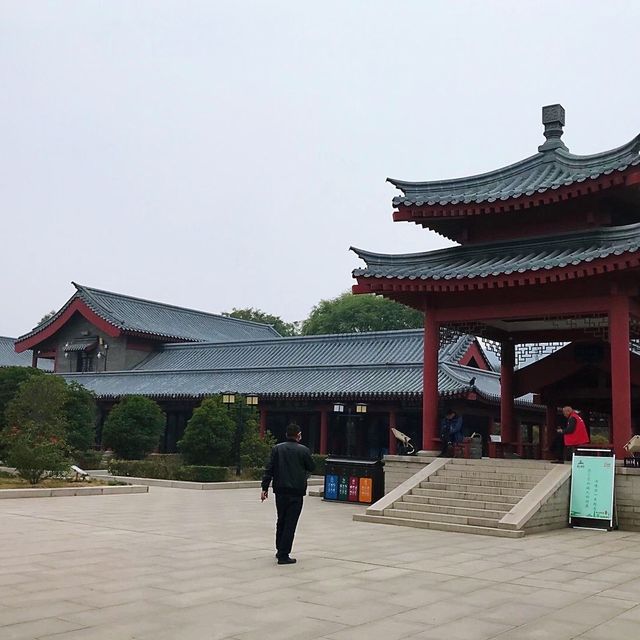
x,y
424,212
553,174
369,281
48,328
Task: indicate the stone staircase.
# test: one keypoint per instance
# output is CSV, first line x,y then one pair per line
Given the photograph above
x,y
466,496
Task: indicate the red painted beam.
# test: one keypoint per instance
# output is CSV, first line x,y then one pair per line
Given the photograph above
x,y
76,306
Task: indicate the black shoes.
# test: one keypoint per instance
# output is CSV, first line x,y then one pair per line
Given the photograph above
x,y
286,560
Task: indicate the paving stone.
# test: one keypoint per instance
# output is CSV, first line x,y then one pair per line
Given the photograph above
x,y
199,565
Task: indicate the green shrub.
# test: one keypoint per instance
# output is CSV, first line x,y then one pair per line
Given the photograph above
x,y
133,427
143,469
319,462
209,435
10,380
254,450
34,438
87,459
34,452
253,473
203,473
80,410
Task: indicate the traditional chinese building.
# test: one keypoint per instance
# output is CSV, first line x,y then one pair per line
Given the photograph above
x,y
345,391
549,255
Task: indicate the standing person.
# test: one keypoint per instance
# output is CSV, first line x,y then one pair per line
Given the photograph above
x,y
450,431
289,467
575,433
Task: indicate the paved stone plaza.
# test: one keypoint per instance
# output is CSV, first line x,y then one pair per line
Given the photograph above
x,y
180,564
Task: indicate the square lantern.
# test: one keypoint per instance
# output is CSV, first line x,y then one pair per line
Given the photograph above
x,y
361,407
338,407
252,400
228,398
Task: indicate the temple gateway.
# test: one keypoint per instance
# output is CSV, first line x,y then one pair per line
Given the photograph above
x,y
548,262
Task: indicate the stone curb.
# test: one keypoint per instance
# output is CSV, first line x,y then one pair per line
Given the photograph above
x,y
71,491
530,504
200,486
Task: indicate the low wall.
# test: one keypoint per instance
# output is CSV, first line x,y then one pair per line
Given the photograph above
x,y
554,513
398,469
628,498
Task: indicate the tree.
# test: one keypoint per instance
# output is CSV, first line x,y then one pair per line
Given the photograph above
x,y
256,315
34,438
208,438
350,313
80,409
133,427
46,316
10,380
254,450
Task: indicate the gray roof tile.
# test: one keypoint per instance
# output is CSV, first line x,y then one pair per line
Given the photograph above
x,y
375,348
162,320
493,259
378,364
9,357
545,170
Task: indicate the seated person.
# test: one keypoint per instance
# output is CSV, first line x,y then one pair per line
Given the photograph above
x,y
450,431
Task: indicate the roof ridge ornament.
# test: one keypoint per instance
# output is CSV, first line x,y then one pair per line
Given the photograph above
x,y
553,121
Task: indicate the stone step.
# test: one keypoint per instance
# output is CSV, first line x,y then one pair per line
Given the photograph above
x,y
495,463
470,488
439,526
497,507
448,510
491,475
481,482
442,517
466,495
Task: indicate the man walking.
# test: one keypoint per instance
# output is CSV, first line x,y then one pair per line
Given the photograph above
x,y
289,467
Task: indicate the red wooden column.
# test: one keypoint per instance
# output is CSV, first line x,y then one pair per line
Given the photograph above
x,y
430,383
507,360
549,430
620,372
393,443
324,430
263,422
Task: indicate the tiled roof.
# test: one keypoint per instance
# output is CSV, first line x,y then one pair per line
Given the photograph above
x,y
494,259
379,364
162,320
549,169
384,348
312,382
9,357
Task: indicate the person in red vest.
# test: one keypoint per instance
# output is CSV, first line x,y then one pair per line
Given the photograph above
x,y
575,432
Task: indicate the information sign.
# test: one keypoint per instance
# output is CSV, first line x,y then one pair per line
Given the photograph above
x,y
592,483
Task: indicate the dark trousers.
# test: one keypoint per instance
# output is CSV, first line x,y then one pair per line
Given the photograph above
x,y
288,508
557,449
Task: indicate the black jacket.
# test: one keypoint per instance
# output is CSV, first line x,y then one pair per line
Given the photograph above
x,y
289,467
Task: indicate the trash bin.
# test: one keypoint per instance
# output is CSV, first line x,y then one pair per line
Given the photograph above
x,y
353,480
475,446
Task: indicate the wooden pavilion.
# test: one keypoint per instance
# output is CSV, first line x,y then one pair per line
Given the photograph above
x,y
548,261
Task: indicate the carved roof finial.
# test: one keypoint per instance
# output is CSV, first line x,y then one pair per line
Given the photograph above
x,y
553,121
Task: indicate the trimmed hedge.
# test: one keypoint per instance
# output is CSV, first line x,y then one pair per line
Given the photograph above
x,y
202,473
162,469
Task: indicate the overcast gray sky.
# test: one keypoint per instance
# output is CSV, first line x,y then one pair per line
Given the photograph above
x,y
220,154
